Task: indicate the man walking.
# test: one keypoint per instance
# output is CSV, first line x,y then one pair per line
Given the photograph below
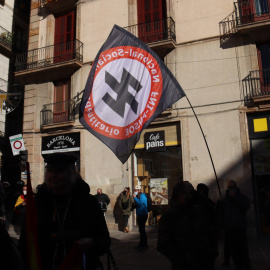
x,y
142,215
234,207
103,200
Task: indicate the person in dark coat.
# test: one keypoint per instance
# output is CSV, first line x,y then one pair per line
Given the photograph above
x,y
185,232
103,200
233,209
125,202
68,216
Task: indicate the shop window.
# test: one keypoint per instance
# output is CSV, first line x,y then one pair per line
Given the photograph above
x,y
166,170
61,101
64,37
149,166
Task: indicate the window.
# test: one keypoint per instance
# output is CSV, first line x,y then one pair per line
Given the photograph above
x,y
264,66
151,19
64,37
61,108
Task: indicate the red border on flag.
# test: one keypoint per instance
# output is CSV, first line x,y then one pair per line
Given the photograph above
x,y
154,70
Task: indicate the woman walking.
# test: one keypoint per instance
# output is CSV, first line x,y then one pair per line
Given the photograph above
x,y
125,204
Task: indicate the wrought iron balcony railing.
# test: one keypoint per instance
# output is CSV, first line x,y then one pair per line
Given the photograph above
x,y
50,55
153,31
59,112
245,12
5,38
256,84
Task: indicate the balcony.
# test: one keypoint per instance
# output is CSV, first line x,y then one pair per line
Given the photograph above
x,y
249,16
56,115
56,6
5,42
256,88
49,63
158,34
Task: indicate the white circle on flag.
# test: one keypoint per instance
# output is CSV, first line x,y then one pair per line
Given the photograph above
x,y
100,88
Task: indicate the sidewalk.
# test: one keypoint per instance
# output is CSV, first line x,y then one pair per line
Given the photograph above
x,y
128,258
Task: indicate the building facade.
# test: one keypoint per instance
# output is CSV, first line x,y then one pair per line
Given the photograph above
x,y
14,22
220,63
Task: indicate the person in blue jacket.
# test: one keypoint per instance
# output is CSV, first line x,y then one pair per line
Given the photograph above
x,y
142,215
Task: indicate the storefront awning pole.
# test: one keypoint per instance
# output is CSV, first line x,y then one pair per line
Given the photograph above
x,y
206,146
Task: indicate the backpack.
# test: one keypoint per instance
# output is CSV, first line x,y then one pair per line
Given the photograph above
x,y
149,202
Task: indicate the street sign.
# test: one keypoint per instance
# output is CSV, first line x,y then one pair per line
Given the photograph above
x,y
17,144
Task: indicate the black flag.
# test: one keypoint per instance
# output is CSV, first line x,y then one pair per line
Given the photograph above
x,y
127,88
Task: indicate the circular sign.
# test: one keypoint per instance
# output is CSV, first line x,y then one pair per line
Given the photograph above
x,y
17,145
126,91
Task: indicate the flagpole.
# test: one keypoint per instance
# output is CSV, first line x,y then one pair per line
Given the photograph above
x,y
206,146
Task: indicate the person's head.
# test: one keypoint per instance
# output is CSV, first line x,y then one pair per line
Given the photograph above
x,y
137,190
60,175
6,185
99,191
126,190
182,193
232,185
24,190
38,187
203,190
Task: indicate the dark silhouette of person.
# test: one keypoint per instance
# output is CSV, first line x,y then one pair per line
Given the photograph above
x,y
9,202
185,231
67,216
103,200
233,209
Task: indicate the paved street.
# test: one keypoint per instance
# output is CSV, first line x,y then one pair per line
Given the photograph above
x,y
128,258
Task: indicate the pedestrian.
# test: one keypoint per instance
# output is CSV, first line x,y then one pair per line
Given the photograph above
x,y
8,203
185,232
125,202
103,200
68,217
233,209
142,215
10,258
20,207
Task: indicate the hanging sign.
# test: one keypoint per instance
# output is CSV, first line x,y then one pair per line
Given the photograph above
x,y
17,144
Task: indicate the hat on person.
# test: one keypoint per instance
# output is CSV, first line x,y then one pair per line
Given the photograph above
x,y
137,187
59,160
7,184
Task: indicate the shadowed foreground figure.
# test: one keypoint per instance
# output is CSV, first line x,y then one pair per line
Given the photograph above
x,y
67,215
234,224
186,234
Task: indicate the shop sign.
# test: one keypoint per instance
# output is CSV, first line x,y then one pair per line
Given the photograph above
x,y
68,142
155,141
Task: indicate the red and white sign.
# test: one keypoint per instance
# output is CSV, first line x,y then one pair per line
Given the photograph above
x,y
17,144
